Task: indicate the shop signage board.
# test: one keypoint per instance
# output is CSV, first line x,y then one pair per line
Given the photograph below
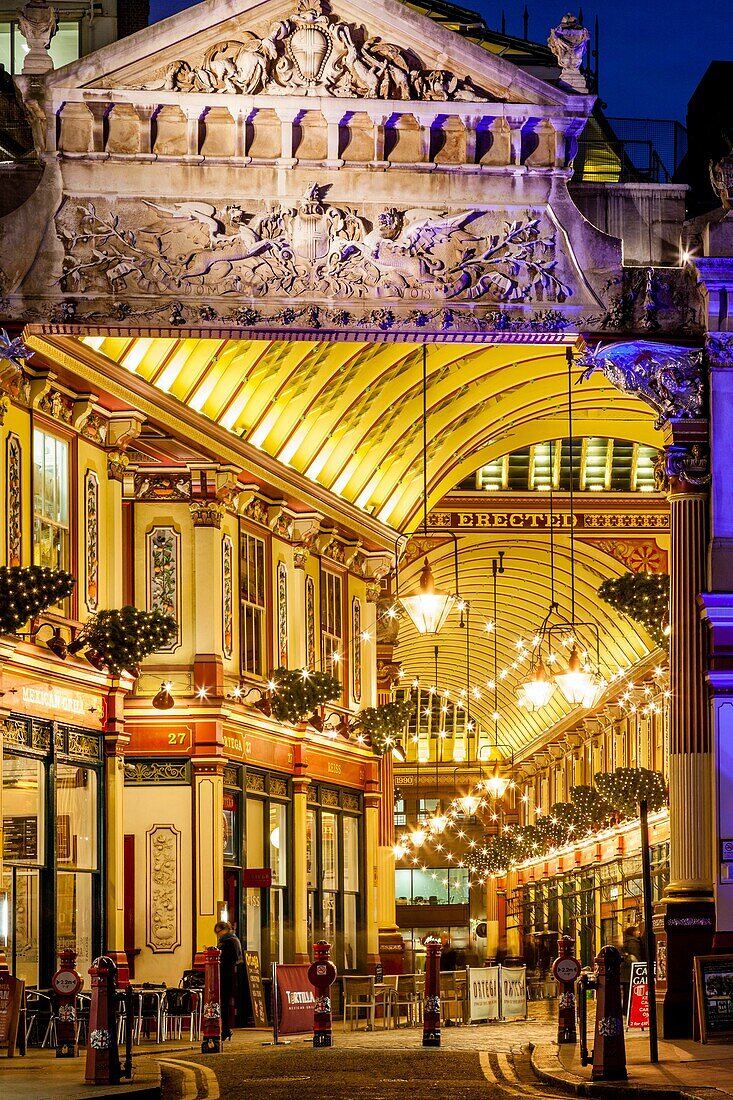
x,y
483,993
513,992
11,998
257,877
295,1000
637,1013
256,992
714,993
166,739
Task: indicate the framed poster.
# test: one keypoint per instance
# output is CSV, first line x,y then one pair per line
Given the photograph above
x,y
714,996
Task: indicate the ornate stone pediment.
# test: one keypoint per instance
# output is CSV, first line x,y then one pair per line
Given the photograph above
x,y
313,51
314,48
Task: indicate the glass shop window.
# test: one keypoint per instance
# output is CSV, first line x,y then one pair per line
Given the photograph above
x,y
51,536
400,814
23,821
351,854
332,624
330,851
76,817
252,590
278,844
255,812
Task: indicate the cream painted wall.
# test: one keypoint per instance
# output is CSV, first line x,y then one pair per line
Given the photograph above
x,y
145,807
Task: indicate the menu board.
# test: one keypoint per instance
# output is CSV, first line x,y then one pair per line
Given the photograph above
x,y
714,990
20,839
11,997
254,983
637,1017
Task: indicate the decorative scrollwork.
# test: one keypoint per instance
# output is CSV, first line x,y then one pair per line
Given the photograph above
x,y
151,771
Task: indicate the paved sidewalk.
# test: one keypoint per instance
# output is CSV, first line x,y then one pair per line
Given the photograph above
x,y
685,1069
40,1074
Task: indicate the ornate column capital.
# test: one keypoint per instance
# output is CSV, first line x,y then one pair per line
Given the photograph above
x,y
207,513
719,349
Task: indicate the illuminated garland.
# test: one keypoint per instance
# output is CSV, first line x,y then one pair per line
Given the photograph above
x,y
643,597
625,788
27,590
122,639
297,692
384,724
590,811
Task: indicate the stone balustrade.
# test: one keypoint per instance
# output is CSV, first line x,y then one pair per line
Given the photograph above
x,y
319,131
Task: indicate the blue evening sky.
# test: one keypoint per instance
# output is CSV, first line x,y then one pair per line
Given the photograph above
x,y
653,53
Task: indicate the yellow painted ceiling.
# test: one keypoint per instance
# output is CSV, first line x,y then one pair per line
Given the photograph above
x,y
348,414
523,598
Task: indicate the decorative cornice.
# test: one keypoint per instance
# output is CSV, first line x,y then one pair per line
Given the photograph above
x,y
207,513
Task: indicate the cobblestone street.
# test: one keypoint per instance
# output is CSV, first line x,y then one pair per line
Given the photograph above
x,y
475,1063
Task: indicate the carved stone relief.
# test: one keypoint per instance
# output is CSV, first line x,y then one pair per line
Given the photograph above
x,y
314,52
314,247
163,916
667,378
163,566
91,536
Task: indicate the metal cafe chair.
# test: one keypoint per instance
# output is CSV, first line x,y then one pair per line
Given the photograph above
x,y
359,996
39,1014
179,1005
408,995
453,995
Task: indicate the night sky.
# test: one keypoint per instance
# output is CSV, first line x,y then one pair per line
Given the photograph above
x,y
653,52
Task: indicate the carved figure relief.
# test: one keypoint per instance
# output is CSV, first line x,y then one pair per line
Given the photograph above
x,y
14,499
162,905
313,52
282,614
227,620
310,623
163,564
91,533
668,378
314,247
358,641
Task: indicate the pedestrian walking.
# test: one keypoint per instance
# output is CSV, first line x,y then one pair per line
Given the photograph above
x,y
230,959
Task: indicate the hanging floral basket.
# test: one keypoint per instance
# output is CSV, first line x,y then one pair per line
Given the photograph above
x,y
298,692
122,639
384,725
644,597
27,590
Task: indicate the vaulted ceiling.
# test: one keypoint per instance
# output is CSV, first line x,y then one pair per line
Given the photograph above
x,y
348,415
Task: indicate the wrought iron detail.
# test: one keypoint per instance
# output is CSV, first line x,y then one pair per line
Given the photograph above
x,y
152,771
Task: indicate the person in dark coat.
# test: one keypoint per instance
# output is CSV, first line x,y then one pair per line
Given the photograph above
x,y
231,958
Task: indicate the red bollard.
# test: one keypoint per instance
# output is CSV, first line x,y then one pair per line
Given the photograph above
x,y
66,983
322,975
103,1060
565,971
431,1003
211,1039
609,1050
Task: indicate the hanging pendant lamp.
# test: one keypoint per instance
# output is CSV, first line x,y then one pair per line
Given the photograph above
x,y
537,690
576,682
427,609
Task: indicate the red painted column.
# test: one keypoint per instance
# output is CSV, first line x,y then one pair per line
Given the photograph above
x,y
322,975
431,1003
211,1039
609,1049
103,1062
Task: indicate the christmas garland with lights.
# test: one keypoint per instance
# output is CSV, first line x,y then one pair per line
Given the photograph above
x,y
591,810
298,692
27,590
625,788
643,597
384,724
121,639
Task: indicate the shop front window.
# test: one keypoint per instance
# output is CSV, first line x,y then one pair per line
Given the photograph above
x,y
255,858
253,593
51,539
23,853
332,624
